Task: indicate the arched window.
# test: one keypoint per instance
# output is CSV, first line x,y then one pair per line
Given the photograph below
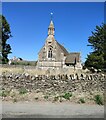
x,y
50,53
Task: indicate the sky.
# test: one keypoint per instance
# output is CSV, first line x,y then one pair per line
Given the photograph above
x,y
73,23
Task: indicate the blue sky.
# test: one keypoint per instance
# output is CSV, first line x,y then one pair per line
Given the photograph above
x,y
73,23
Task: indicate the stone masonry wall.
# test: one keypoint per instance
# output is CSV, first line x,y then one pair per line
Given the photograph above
x,y
54,83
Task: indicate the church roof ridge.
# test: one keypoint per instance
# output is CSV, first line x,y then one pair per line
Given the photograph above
x,y
74,53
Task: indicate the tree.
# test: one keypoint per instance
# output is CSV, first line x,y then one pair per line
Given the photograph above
x,y
5,34
97,58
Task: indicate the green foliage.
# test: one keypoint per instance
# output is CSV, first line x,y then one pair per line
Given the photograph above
x,y
22,91
81,100
0,58
4,93
5,34
46,97
67,96
97,58
98,99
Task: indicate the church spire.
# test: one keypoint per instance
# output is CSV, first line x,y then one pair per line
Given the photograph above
x,y
51,28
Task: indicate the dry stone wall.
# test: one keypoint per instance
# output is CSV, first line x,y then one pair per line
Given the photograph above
x,y
54,83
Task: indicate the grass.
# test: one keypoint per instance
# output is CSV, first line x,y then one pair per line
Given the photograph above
x,y
12,70
46,97
22,91
4,93
98,99
81,100
67,96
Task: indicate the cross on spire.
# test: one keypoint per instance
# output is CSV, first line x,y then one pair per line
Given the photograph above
x,y
51,15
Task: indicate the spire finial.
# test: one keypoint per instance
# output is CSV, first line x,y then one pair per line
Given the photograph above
x,y
51,15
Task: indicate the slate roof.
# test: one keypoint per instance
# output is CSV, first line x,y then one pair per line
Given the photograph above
x,y
72,58
63,49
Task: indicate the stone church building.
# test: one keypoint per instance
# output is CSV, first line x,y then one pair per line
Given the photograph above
x,y
54,55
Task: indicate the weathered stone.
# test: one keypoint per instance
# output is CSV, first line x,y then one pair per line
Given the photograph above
x,y
33,78
73,82
77,77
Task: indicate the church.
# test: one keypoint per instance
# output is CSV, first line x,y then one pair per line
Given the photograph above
x,y
54,55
